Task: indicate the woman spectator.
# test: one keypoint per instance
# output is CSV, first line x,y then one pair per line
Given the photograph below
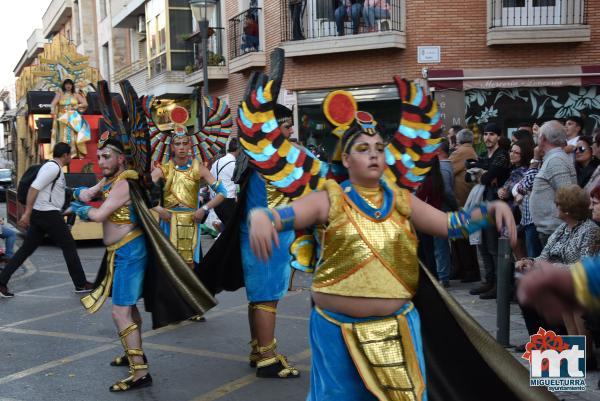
x,y
574,239
585,162
375,9
595,178
520,154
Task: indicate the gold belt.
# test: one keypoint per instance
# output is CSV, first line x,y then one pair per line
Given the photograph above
x,y
95,299
384,355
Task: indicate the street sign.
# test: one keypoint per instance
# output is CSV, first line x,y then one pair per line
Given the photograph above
x,y
429,54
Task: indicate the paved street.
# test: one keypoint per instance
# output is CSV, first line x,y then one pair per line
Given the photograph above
x,y
51,350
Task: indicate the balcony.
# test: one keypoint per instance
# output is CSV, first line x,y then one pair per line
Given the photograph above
x,y
245,36
217,66
321,28
136,73
56,15
126,13
537,21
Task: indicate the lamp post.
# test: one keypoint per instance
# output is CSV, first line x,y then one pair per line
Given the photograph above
x,y
202,10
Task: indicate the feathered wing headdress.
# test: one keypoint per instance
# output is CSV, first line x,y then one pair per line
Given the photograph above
x,y
206,143
128,126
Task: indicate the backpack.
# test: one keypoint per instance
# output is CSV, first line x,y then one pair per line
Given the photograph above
x,y
28,178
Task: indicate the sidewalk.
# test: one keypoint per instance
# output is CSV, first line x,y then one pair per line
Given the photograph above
x,y
484,312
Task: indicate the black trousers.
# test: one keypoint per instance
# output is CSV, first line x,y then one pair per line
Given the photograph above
x,y
53,224
225,210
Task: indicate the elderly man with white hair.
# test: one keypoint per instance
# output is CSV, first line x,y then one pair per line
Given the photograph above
x,y
557,171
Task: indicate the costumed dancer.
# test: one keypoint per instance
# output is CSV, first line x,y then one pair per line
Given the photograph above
x,y
267,281
69,125
131,268
182,176
367,339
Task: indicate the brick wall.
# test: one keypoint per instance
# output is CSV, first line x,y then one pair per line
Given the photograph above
x,y
459,27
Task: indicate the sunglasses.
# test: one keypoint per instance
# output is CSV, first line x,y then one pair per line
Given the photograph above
x,y
581,149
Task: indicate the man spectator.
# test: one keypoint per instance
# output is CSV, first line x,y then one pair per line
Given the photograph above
x,y
464,255
9,237
43,216
525,126
222,170
556,171
496,169
441,245
452,136
574,127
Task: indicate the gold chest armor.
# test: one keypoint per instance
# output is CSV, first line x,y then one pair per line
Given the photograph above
x,y
364,257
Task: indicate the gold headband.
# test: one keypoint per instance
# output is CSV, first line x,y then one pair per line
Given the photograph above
x,y
111,147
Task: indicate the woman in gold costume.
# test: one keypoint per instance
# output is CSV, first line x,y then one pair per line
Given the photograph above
x,y
69,125
366,275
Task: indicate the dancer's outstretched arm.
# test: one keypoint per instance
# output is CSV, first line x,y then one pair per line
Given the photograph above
x,y
308,211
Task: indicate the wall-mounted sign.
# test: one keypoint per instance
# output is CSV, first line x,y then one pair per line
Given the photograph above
x,y
429,54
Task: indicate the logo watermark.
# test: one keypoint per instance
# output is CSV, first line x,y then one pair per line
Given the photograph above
x,y
556,362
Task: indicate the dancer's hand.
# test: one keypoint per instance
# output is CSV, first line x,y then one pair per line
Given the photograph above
x,y
262,235
86,195
504,219
199,215
164,214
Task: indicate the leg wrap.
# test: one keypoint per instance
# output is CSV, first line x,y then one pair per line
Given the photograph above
x,y
262,307
129,383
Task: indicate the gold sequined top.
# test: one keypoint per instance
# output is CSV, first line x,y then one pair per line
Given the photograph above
x,y
124,214
182,185
364,257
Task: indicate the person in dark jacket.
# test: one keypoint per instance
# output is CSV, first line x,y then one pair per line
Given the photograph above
x,y
495,170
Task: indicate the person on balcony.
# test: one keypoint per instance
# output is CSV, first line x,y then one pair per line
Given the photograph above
x,y
347,8
375,9
296,10
250,37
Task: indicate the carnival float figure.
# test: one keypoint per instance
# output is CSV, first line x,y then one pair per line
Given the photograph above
x,y
380,325
139,260
69,125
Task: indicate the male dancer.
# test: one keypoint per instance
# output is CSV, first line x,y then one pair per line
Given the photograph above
x,y
180,216
171,291
266,282
126,257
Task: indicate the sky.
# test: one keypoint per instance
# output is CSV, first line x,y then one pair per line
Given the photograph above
x,y
18,19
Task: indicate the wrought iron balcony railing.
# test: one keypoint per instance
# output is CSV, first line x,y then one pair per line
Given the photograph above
x,y
312,19
531,13
244,33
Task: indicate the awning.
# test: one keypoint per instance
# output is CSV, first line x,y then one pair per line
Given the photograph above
x,y
498,78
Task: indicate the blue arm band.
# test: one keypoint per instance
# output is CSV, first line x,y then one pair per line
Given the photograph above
x,y
77,192
591,266
81,210
265,210
219,188
287,216
461,224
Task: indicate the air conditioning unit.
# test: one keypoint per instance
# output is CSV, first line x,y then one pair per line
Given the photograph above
x,y
141,25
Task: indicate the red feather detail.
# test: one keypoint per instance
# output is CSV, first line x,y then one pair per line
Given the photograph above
x,y
254,100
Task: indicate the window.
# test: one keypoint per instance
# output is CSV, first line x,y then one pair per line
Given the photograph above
x,y
537,12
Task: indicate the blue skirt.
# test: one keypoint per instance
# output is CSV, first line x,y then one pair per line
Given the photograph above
x,y
267,281
333,375
130,267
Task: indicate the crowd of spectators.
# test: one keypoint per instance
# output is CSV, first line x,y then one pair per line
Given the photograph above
x,y
550,176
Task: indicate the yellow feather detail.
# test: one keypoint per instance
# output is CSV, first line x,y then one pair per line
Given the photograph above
x,y
414,156
284,149
395,152
419,170
258,117
267,91
281,174
414,125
